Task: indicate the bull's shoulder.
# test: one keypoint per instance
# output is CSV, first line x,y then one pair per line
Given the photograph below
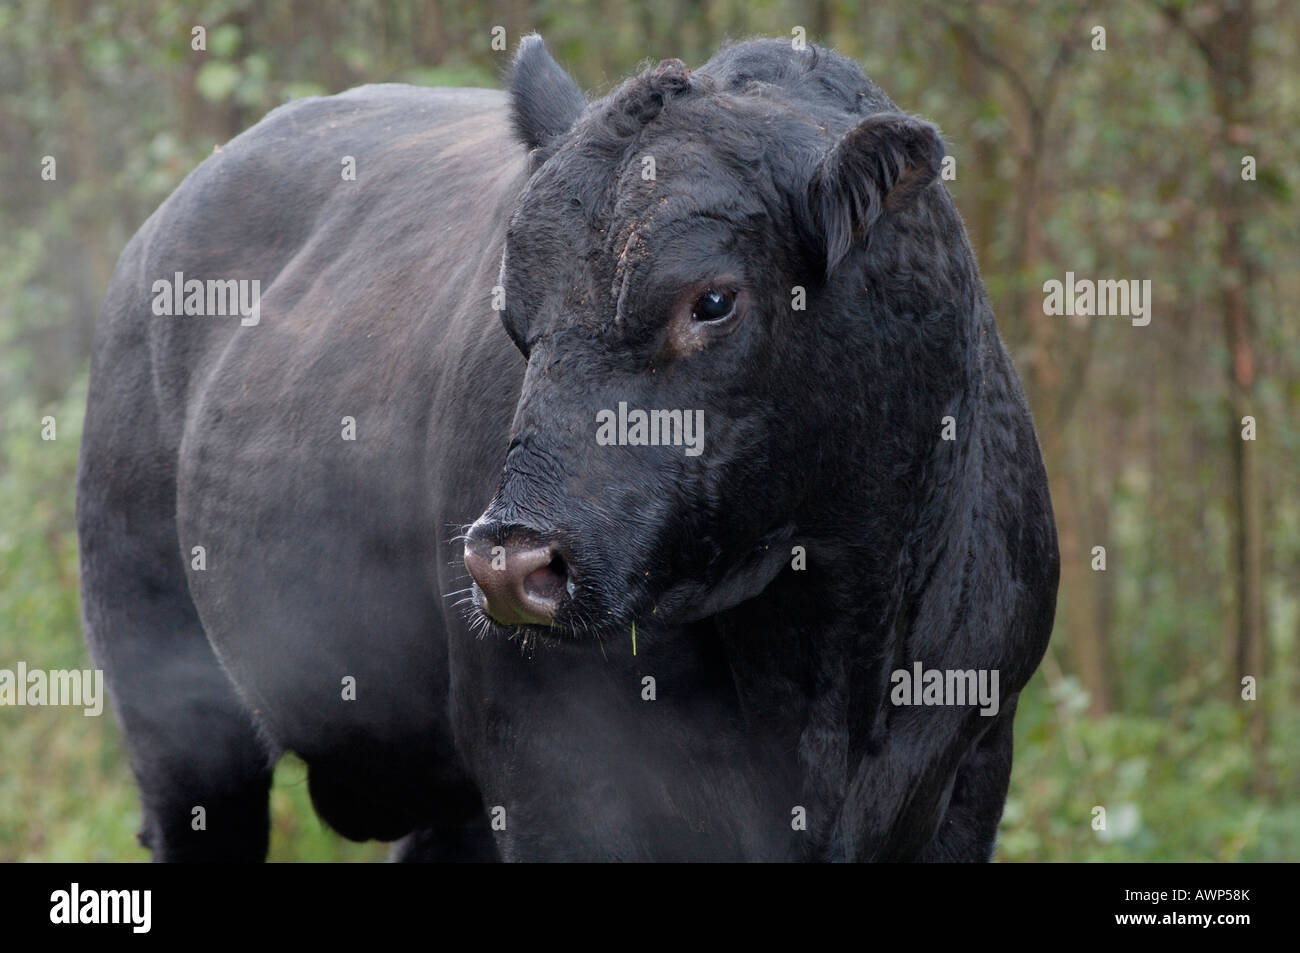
x,y
355,198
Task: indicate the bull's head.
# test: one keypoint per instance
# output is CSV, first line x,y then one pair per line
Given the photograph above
x,y
704,275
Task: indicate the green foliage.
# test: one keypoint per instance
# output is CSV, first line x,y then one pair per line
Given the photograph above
x,y
1176,786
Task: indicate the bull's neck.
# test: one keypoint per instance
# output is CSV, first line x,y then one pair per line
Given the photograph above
x,y
811,655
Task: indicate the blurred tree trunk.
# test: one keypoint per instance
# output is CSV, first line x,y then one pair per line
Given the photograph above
x,y
985,205
1233,86
821,25
1225,44
1233,80
1050,385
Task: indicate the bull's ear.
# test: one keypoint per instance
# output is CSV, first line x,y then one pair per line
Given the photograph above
x,y
879,166
545,101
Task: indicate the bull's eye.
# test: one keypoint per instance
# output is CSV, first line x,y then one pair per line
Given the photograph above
x,y
714,306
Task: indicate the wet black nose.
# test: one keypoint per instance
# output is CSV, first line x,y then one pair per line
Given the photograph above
x,y
521,579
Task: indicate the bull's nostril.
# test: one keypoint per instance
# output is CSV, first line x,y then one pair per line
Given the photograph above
x,y
519,579
548,583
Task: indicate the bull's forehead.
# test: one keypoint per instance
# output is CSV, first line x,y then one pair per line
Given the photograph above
x,y
605,212
590,204
577,252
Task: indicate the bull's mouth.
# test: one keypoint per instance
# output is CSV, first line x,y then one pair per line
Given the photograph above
x,y
550,605
575,624
540,601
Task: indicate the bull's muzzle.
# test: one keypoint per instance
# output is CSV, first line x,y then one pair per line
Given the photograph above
x,y
519,578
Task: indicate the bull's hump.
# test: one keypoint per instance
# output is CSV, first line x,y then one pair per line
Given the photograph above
x,y
336,255
814,77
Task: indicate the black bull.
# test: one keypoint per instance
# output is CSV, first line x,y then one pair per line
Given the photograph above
x,y
664,651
